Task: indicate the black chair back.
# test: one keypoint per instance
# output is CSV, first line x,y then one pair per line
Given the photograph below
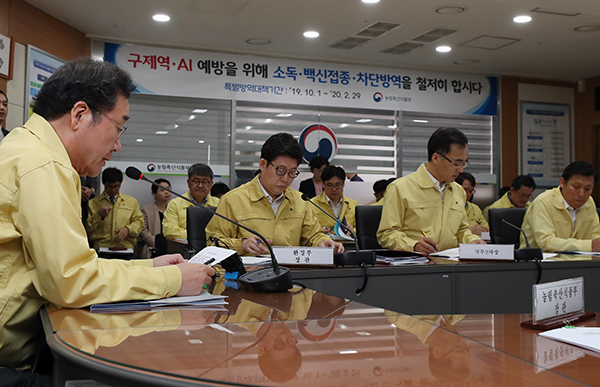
x,y
197,220
367,223
500,232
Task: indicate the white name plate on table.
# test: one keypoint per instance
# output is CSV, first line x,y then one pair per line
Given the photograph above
x,y
557,298
487,252
302,255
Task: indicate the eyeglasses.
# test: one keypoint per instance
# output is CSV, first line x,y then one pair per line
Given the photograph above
x,y
282,171
336,185
120,127
469,190
197,182
457,164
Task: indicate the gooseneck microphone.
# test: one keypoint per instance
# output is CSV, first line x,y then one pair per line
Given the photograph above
x,y
350,258
267,279
527,254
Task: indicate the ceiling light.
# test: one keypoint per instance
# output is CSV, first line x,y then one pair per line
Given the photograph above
x,y
347,352
250,141
161,18
522,19
140,140
186,118
343,125
424,121
248,127
258,42
311,34
283,115
370,1
171,126
364,120
161,132
200,111
363,333
588,28
393,126
450,9
443,48
268,120
201,141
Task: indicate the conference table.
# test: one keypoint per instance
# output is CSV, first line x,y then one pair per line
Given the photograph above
x,y
447,286
307,338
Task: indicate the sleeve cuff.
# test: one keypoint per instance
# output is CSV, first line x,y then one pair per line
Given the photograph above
x,y
173,280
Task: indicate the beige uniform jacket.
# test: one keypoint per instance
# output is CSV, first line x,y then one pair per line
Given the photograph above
x,y
125,213
175,221
548,225
412,204
348,211
503,202
44,251
294,225
475,215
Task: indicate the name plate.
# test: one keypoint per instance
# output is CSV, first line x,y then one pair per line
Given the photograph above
x,y
557,298
487,252
304,255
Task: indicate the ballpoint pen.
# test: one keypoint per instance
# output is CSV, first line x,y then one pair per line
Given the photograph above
x,y
425,235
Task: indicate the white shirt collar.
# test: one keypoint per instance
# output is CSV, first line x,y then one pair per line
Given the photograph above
x,y
275,203
435,181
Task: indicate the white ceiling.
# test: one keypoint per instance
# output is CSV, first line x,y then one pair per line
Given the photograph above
x,y
547,47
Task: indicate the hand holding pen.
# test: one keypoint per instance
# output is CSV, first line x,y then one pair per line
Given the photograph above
x,y
426,245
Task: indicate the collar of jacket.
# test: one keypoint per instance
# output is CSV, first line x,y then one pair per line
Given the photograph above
x,y
256,193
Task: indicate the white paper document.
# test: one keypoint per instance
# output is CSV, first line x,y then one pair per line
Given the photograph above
x,y
449,253
211,255
588,338
204,299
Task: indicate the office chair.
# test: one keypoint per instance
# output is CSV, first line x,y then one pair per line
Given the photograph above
x,y
367,223
197,220
500,232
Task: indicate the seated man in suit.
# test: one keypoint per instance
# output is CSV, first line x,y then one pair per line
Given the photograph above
x,y
334,201
114,219
200,181
267,204
425,211
565,217
518,196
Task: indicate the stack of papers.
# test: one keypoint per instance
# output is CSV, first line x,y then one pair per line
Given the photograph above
x,y
204,300
402,261
588,338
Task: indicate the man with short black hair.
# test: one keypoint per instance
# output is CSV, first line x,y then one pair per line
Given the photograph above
x,y
44,254
518,196
379,188
334,201
114,219
425,211
267,205
3,114
565,217
200,181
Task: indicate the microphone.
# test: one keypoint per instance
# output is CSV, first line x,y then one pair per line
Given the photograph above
x,y
275,279
527,254
351,258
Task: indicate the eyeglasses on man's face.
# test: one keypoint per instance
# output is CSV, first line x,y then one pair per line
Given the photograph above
x,y
457,164
204,182
120,127
282,171
336,185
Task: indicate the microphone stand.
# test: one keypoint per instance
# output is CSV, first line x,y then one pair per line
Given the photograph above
x,y
527,254
275,279
350,258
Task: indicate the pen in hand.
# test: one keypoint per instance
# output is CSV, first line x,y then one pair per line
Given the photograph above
x,y
425,235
